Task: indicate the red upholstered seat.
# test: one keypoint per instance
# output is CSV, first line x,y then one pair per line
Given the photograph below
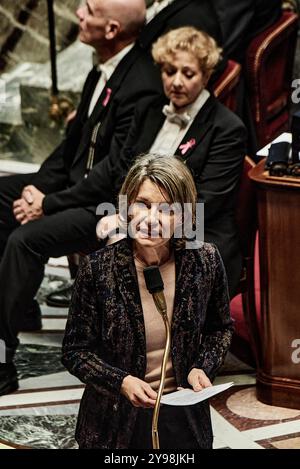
x,y
226,87
247,226
269,67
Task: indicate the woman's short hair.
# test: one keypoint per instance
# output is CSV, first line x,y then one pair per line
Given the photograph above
x,y
169,174
188,39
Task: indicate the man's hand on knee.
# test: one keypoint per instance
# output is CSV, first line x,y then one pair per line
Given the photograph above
x,y
29,207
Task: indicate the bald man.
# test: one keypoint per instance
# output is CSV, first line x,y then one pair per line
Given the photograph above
x,y
53,212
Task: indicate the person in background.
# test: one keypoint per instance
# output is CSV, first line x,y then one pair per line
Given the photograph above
x,y
241,21
114,339
165,15
232,24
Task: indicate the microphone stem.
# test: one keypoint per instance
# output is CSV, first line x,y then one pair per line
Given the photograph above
x,y
161,307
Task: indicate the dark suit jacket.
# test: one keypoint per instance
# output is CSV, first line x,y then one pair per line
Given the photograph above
x,y
105,337
242,20
61,176
198,13
216,162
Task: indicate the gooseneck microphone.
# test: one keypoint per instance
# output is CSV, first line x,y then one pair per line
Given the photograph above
x,y
155,286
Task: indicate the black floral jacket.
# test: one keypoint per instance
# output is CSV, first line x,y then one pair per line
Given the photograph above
x,y
105,337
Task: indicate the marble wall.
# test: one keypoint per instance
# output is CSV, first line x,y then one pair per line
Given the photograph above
x,y
26,132
24,30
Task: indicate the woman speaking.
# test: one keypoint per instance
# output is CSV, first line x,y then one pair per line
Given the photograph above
x,y
115,339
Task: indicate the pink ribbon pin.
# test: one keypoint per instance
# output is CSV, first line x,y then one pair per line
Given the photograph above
x,y
107,97
185,147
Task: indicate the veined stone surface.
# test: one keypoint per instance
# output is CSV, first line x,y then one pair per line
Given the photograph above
x,y
24,29
73,65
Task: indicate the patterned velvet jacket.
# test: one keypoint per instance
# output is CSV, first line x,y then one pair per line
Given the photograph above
x,y
105,337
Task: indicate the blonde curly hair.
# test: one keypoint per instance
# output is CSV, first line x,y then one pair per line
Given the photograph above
x,y
188,39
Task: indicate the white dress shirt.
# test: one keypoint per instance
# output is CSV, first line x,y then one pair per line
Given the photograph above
x,y
107,69
173,132
156,7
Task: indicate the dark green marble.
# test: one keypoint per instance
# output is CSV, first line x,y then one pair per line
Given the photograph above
x,y
38,360
40,432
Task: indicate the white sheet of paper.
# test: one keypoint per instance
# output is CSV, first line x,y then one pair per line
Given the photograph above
x,y
190,397
285,137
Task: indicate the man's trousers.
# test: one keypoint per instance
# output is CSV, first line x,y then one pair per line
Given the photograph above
x,y
25,249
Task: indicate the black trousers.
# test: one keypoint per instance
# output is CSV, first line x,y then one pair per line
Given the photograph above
x,y
173,428
24,250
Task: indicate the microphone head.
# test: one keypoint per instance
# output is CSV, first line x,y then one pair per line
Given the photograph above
x,y
154,282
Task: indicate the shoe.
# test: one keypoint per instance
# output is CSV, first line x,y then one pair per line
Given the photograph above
x,y
60,298
32,319
8,378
